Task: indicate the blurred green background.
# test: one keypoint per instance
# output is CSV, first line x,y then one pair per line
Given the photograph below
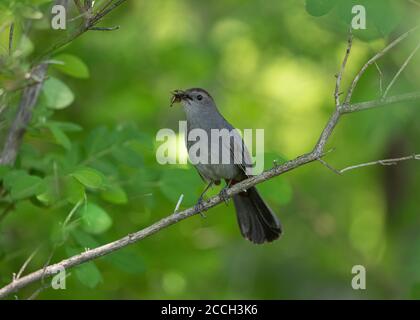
x,y
268,64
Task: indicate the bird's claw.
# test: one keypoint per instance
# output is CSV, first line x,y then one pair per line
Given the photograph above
x,y
224,196
200,207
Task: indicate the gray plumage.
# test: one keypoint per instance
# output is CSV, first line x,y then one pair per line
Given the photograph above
x,y
256,220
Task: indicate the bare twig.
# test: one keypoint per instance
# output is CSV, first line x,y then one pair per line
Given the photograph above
x,y
11,32
374,59
404,65
104,28
24,114
343,67
326,164
92,22
385,162
22,269
405,97
43,287
381,78
107,8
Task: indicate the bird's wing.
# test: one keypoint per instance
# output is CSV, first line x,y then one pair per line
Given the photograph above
x,y
239,152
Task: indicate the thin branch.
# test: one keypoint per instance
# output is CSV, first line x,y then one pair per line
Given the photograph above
x,y
406,97
381,78
11,32
374,59
24,114
385,162
92,22
43,287
327,165
404,65
343,67
22,269
104,28
106,9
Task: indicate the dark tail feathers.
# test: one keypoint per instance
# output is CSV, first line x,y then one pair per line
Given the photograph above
x,y
257,221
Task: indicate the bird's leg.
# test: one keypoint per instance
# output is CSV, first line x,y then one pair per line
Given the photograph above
x,y
223,193
199,204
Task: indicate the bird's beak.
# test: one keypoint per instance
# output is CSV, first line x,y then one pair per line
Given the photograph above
x,y
178,96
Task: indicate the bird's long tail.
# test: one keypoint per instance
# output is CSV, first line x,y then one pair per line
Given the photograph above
x,y
257,221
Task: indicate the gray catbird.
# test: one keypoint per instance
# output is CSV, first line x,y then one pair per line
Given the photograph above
x,y
256,220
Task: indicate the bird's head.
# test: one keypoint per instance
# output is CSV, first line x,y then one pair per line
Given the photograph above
x,y
194,98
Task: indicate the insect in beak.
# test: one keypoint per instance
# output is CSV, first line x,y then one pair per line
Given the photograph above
x,y
178,96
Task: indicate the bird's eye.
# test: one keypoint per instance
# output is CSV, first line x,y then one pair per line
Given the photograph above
x,y
199,97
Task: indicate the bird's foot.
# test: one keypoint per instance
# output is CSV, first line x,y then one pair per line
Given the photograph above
x,y
223,195
200,207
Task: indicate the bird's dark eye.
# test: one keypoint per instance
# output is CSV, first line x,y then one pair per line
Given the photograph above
x,y
199,97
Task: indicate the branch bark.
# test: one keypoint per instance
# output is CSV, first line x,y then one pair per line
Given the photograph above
x,y
27,103
384,162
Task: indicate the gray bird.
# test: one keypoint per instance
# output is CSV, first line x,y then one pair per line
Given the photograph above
x,y
256,220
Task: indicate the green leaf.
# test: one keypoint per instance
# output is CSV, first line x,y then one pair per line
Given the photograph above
x,y
66,126
52,191
89,177
382,16
319,8
31,13
24,47
95,220
57,94
74,191
72,66
59,136
127,156
127,261
22,185
114,194
87,273
84,239
3,171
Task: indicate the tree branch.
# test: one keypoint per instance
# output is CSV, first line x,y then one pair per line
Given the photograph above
x,y
340,74
11,32
91,22
374,59
405,97
404,65
23,117
385,162
316,154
